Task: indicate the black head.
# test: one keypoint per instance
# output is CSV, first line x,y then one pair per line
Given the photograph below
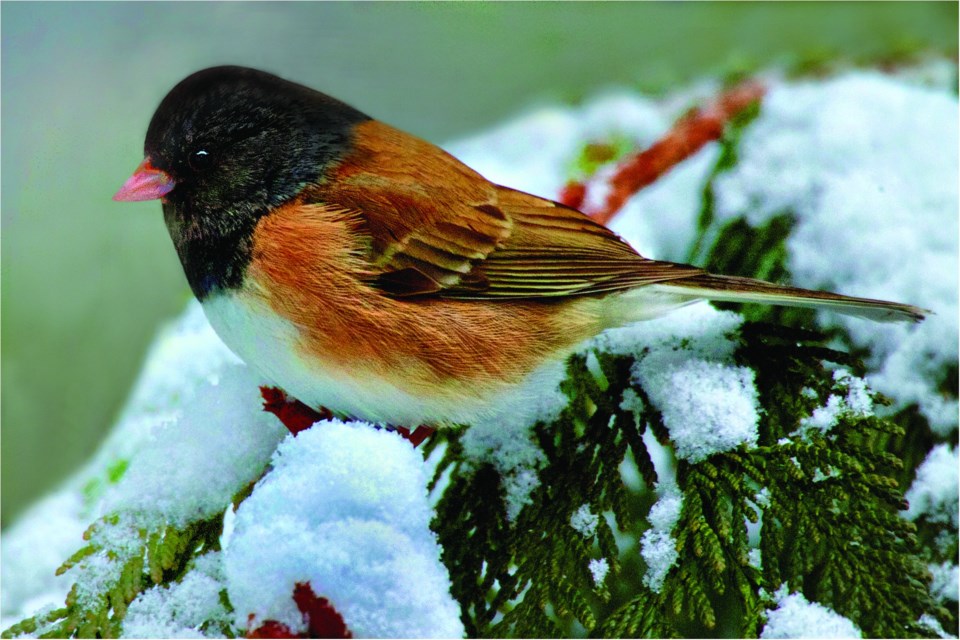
x,y
234,142
237,141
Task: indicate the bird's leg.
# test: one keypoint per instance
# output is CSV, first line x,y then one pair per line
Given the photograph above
x,y
417,436
294,415
297,416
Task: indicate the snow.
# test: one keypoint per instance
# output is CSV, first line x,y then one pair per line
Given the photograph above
x,y
187,467
185,353
707,407
794,617
177,466
186,356
192,466
118,543
657,546
632,401
179,610
934,625
856,402
345,510
944,585
868,165
684,364
699,330
584,521
32,549
934,492
599,567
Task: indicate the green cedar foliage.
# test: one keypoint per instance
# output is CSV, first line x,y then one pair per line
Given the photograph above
x,y
736,248
118,573
830,524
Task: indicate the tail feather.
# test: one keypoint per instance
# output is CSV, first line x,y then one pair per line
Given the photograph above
x,y
737,289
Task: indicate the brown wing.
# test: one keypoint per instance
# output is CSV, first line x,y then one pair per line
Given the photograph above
x,y
554,250
437,227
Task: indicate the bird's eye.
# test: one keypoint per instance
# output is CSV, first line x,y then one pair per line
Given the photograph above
x,y
200,160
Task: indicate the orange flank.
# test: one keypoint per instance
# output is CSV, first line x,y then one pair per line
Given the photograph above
x,y
308,265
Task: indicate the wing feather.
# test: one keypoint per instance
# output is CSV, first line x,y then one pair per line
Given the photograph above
x,y
555,250
438,228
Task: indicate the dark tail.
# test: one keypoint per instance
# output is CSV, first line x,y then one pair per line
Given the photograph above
x,y
737,289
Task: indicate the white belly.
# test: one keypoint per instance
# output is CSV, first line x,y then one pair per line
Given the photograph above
x,y
269,344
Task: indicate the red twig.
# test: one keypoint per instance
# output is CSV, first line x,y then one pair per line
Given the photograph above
x,y
573,194
688,135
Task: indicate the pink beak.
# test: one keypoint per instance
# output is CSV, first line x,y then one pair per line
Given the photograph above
x,y
146,183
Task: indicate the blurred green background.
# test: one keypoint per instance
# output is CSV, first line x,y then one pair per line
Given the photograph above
x,y
86,282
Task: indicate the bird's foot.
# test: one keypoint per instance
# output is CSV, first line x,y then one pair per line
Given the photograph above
x,y
417,436
297,416
323,621
294,415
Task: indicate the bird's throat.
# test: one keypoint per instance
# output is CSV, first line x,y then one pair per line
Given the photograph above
x,y
214,257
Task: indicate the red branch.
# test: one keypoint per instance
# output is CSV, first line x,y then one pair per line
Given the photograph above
x,y
323,620
695,129
573,194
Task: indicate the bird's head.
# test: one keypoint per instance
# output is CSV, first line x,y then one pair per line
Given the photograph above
x,y
228,143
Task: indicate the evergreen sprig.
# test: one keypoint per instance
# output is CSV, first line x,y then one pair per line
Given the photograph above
x,y
96,605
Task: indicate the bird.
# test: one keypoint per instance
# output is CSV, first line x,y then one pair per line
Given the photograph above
x,y
365,270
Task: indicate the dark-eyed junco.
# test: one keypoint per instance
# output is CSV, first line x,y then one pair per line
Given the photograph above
x,y
368,271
